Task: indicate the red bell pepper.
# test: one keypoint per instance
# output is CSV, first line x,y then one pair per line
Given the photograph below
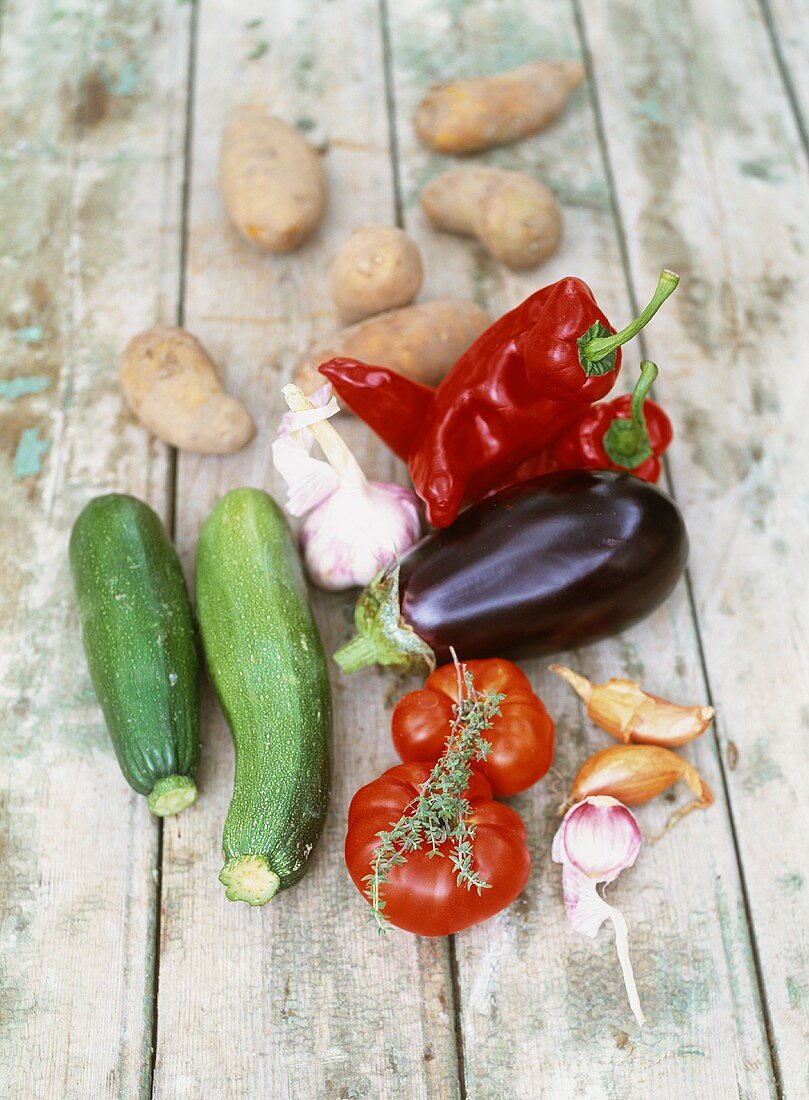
x,y
628,433
526,379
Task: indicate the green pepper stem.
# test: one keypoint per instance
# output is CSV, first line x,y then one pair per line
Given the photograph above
x,y
626,442
601,346
648,374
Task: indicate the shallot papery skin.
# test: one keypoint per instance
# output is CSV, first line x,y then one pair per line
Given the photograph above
x,y
628,713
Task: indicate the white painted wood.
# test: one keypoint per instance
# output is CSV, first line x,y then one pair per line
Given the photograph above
x,y
711,178
299,998
544,1011
92,102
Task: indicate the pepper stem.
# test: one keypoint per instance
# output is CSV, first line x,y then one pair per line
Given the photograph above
x,y
335,449
595,346
626,442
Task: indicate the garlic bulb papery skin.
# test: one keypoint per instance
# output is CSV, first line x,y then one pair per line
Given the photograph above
x,y
357,531
309,480
599,837
354,526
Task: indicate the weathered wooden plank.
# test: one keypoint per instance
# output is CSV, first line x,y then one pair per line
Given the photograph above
x,y
544,1012
91,149
710,170
300,998
788,22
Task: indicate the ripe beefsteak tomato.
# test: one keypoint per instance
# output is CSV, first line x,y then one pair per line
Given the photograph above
x,y
421,895
521,738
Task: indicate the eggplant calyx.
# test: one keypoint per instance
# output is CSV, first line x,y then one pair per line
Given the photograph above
x,y
383,637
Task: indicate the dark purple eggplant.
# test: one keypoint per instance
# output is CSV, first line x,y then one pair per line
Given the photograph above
x,y
559,561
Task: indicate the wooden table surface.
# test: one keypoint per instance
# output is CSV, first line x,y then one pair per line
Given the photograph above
x,y
125,972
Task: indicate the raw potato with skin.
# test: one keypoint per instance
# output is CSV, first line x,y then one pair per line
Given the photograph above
x,y
271,179
172,386
378,268
465,116
421,342
515,217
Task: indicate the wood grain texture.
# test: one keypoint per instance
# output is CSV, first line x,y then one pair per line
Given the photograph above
x,y
788,22
90,151
711,178
299,998
544,1012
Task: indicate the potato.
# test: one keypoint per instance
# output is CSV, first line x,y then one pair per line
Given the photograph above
x,y
464,116
421,342
172,386
272,181
515,217
378,268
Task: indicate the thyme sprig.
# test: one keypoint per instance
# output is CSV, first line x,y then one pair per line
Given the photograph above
x,y
440,813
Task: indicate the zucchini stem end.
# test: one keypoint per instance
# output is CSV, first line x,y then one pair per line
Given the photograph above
x,y
249,878
172,794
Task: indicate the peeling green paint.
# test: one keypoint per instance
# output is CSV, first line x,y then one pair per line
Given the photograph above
x,y
29,452
760,768
30,334
12,388
259,50
791,882
796,991
650,108
127,80
763,168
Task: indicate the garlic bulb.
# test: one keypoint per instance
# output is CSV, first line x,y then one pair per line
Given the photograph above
x,y
598,838
354,526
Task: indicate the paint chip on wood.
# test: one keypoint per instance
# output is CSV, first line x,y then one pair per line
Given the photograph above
x,y
30,450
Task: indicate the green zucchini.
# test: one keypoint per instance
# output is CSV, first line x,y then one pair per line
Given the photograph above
x,y
267,666
138,632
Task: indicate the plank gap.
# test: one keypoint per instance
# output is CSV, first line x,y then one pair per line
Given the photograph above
x,y
171,497
393,140
457,1018
620,231
148,1084
785,74
185,202
390,107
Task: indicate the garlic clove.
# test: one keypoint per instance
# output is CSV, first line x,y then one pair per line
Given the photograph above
x,y
626,712
598,838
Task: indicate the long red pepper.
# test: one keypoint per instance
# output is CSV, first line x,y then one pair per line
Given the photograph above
x,y
630,432
526,379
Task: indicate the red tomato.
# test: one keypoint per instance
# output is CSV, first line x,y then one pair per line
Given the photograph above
x,y
521,738
421,895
